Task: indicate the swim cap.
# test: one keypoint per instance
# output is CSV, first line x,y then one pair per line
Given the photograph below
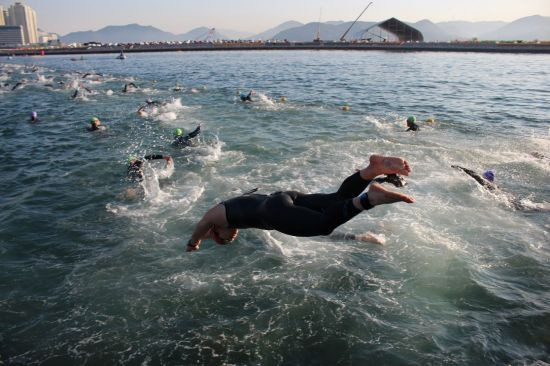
x,y
411,119
178,132
94,120
148,100
131,158
34,114
489,175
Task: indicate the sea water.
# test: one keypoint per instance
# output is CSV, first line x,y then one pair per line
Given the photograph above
x,y
90,275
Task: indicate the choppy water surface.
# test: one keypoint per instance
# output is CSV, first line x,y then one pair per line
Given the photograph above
x,y
89,276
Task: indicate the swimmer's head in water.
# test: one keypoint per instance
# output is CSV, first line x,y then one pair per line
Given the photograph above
x,y
131,159
178,132
489,175
148,100
411,119
34,115
95,121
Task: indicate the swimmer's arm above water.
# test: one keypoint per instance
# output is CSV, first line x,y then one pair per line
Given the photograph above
x,y
212,218
168,158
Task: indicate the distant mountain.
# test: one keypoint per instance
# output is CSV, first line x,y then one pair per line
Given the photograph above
x,y
528,28
200,34
233,34
120,33
467,30
432,32
329,32
270,33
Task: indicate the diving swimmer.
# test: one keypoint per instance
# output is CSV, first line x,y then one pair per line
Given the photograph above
x,y
411,124
300,214
135,165
181,140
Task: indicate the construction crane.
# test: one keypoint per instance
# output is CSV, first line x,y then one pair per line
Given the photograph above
x,y
209,35
343,38
318,34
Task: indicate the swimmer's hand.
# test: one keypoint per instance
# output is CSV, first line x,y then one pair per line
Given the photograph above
x,y
369,237
192,247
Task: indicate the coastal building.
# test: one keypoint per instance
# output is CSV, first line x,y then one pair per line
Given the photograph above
x,y
45,37
11,36
2,17
393,30
24,16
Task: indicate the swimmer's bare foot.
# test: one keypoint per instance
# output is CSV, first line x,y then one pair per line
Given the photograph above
x,y
378,195
385,165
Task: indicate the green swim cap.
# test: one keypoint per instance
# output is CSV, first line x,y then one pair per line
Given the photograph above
x,y
411,119
94,119
178,132
132,158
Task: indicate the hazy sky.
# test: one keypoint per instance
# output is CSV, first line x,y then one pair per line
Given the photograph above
x,y
179,16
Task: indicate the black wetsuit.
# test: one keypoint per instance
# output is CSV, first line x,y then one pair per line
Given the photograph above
x,y
413,126
126,87
247,97
296,213
135,171
484,182
184,141
17,85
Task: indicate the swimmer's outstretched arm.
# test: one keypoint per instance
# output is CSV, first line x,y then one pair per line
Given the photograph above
x,y
168,158
194,133
215,217
478,178
365,237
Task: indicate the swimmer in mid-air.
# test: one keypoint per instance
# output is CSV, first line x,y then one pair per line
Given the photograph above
x,y
411,124
246,97
135,165
300,214
181,140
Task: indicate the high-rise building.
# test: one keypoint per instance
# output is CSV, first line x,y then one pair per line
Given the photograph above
x,y
24,16
2,19
6,16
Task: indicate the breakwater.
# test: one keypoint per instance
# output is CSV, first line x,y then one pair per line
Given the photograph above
x,y
487,47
